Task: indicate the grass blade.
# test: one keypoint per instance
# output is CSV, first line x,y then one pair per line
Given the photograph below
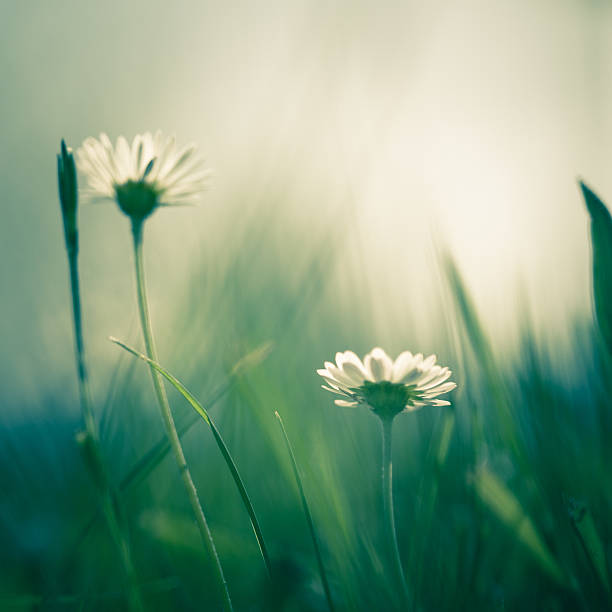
x,y
309,520
584,527
601,241
157,453
195,404
501,501
482,349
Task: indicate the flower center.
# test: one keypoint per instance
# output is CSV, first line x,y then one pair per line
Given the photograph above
x,y
136,199
386,398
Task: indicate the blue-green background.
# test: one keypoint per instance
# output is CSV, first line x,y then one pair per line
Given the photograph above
x,y
353,144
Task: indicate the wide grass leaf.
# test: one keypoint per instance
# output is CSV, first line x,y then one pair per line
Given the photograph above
x,y
601,240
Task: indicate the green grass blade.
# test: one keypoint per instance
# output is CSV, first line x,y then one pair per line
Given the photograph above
x,y
481,348
501,501
158,452
448,427
143,468
195,404
601,241
584,526
309,520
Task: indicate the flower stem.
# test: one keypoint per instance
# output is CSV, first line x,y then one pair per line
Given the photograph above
x,y
203,413
110,501
173,437
387,490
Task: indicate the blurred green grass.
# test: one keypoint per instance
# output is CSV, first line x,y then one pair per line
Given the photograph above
x,y
486,491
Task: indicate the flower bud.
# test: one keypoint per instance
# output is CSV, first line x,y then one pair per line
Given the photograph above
x,y
68,194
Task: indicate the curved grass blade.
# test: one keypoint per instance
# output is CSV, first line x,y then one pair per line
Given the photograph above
x,y
178,385
157,453
309,520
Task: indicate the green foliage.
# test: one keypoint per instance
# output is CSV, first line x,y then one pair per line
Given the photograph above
x,y
525,424
601,241
308,515
591,540
197,406
494,494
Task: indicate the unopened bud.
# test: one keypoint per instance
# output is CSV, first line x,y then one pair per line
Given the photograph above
x,y
68,194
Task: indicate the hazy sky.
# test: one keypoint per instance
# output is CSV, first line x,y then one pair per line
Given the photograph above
x,y
467,121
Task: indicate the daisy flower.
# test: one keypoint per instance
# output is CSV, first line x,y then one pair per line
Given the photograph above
x,y
388,387
150,172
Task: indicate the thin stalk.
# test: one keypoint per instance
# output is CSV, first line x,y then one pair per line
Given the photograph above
x,y
143,468
79,349
387,490
110,502
173,437
311,527
203,413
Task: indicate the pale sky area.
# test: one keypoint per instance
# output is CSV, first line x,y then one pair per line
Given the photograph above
x,y
403,123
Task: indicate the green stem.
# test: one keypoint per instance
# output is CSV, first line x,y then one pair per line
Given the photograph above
x,y
203,413
311,527
112,511
173,437
110,502
79,350
387,490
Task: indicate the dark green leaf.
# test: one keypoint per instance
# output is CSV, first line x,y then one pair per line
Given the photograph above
x,y
601,240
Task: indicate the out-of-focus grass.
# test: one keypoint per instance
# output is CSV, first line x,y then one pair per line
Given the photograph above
x,y
482,488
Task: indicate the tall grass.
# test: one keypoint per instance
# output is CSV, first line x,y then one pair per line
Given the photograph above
x,y
513,498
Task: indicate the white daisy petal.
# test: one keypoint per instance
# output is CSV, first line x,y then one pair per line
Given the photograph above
x,y
427,363
352,366
342,357
427,376
345,403
439,402
413,374
341,376
355,374
378,364
443,388
334,382
332,389
402,365
444,375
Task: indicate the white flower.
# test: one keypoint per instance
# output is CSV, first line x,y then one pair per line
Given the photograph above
x,y
386,386
151,172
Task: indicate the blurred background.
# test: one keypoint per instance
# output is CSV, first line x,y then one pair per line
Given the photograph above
x,y
396,125
352,143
